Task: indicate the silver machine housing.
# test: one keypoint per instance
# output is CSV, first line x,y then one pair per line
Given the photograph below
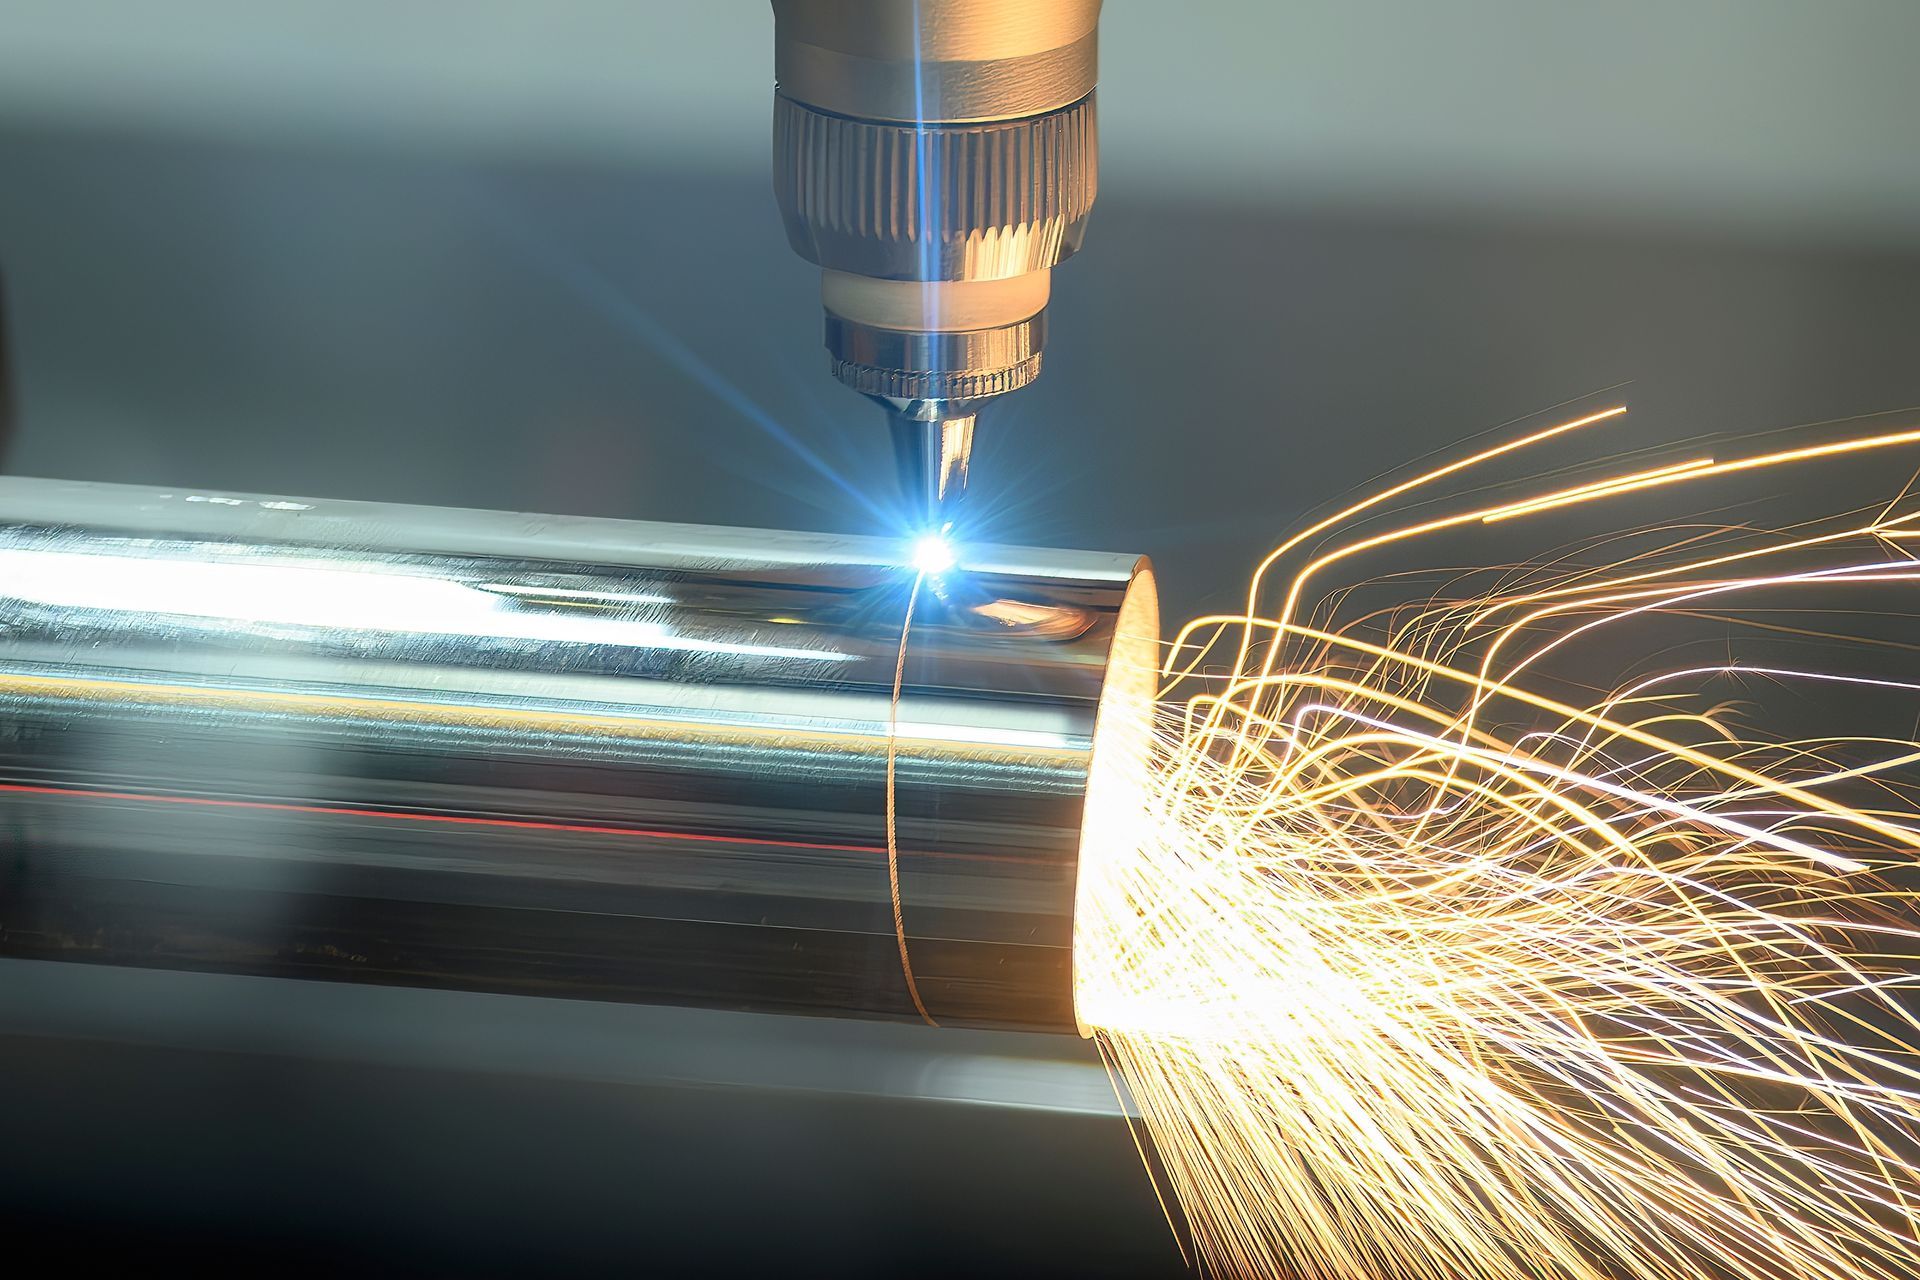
x,y
937,159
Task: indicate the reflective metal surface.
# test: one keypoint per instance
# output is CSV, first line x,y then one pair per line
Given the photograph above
x,y
649,1046
538,754
956,60
932,449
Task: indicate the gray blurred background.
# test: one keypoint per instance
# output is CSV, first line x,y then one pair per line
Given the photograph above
x,y
526,256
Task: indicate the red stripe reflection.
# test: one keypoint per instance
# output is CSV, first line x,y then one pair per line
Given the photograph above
x,y
516,824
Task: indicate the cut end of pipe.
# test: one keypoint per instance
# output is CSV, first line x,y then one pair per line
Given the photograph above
x,y
1119,773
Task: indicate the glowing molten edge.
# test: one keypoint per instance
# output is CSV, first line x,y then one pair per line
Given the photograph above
x,y
1118,778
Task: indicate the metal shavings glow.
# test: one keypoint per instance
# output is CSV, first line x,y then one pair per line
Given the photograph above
x,y
1423,958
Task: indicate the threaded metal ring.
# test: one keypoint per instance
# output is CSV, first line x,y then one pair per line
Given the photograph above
x,y
902,384
920,365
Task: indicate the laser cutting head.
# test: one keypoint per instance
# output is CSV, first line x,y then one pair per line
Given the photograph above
x,y
936,158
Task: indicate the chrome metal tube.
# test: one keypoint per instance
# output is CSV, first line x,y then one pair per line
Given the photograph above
x,y
539,754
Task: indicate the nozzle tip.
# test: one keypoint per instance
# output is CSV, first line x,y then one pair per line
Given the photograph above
x,y
933,446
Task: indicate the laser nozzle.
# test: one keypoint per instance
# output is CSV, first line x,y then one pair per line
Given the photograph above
x,y
932,448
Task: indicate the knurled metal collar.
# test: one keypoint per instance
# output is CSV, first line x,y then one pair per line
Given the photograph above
x,y
935,366
935,201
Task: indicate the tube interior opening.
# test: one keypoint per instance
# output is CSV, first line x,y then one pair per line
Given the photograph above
x,y
1122,750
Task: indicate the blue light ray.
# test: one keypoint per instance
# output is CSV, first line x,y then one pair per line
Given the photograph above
x,y
582,279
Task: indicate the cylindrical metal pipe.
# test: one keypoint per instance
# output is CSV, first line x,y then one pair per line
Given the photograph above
x,y
540,754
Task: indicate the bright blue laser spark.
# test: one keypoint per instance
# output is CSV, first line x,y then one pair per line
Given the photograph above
x,y
933,555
